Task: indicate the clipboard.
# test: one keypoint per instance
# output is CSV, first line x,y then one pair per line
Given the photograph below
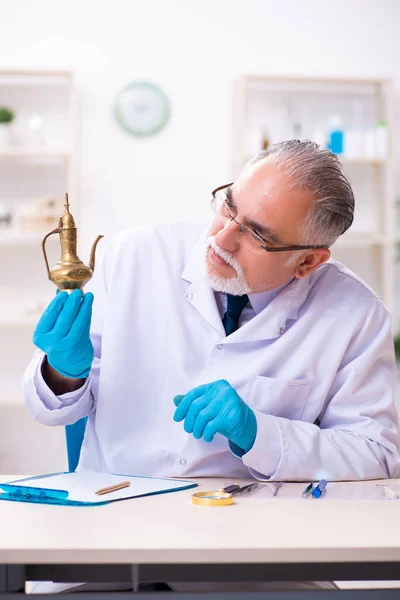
x,y
79,488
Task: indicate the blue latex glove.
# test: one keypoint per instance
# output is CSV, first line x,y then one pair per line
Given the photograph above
x,y
63,334
217,408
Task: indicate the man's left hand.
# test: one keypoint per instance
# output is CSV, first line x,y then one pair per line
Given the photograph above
x,y
217,408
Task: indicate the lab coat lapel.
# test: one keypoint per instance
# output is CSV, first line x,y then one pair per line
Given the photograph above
x,y
270,323
199,293
202,297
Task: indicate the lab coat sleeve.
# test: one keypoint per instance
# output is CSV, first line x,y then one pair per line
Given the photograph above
x,y
358,433
267,428
42,404
47,408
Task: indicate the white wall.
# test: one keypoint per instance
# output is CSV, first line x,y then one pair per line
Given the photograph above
x,y
192,50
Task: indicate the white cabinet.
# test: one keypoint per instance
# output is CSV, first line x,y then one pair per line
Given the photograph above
x,y
271,109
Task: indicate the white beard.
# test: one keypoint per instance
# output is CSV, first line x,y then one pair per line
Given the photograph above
x,y
237,285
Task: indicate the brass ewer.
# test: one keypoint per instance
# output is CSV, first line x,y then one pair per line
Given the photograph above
x,y
69,273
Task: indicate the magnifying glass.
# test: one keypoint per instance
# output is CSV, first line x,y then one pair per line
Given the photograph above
x,y
217,498
223,497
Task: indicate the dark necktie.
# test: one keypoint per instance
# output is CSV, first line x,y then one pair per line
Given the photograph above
x,y
231,318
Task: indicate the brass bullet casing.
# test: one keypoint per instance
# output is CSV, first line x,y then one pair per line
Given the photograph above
x,y
70,272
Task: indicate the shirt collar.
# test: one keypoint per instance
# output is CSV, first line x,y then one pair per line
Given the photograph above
x,y
260,300
291,297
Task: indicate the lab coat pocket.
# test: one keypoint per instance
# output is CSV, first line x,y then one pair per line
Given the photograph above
x,y
280,397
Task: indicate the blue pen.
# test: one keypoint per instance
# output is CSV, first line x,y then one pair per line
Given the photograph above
x,y
318,489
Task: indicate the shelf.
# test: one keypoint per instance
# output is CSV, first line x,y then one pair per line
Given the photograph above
x,y
310,79
17,313
15,320
34,156
354,240
11,398
343,159
361,160
316,85
14,238
56,78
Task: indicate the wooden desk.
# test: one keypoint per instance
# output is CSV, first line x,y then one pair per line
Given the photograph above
x,y
167,538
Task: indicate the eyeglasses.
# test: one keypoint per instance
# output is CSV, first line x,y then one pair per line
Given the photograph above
x,y
252,239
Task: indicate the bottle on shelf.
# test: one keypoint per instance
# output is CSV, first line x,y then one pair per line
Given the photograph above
x,y
253,142
5,216
336,135
370,143
381,139
354,141
265,140
297,130
319,137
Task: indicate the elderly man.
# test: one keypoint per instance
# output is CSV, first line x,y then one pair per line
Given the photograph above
x,y
242,348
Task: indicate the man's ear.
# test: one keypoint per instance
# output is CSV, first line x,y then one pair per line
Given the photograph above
x,y
311,261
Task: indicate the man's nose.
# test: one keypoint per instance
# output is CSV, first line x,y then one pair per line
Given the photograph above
x,y
228,236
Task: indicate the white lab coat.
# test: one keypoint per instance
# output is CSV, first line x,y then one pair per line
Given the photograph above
x,y
320,352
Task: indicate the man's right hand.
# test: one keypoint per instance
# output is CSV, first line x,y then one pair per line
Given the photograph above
x,y
63,334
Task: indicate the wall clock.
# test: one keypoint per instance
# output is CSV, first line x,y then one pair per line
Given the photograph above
x,y
142,109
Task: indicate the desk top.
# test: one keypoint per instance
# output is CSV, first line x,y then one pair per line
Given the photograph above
x,y
168,528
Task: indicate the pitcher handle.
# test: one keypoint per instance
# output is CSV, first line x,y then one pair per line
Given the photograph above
x,y
57,230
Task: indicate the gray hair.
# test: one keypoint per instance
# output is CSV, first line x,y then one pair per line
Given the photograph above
x,y
309,167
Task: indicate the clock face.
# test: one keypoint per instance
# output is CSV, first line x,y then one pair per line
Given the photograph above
x,y
142,109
